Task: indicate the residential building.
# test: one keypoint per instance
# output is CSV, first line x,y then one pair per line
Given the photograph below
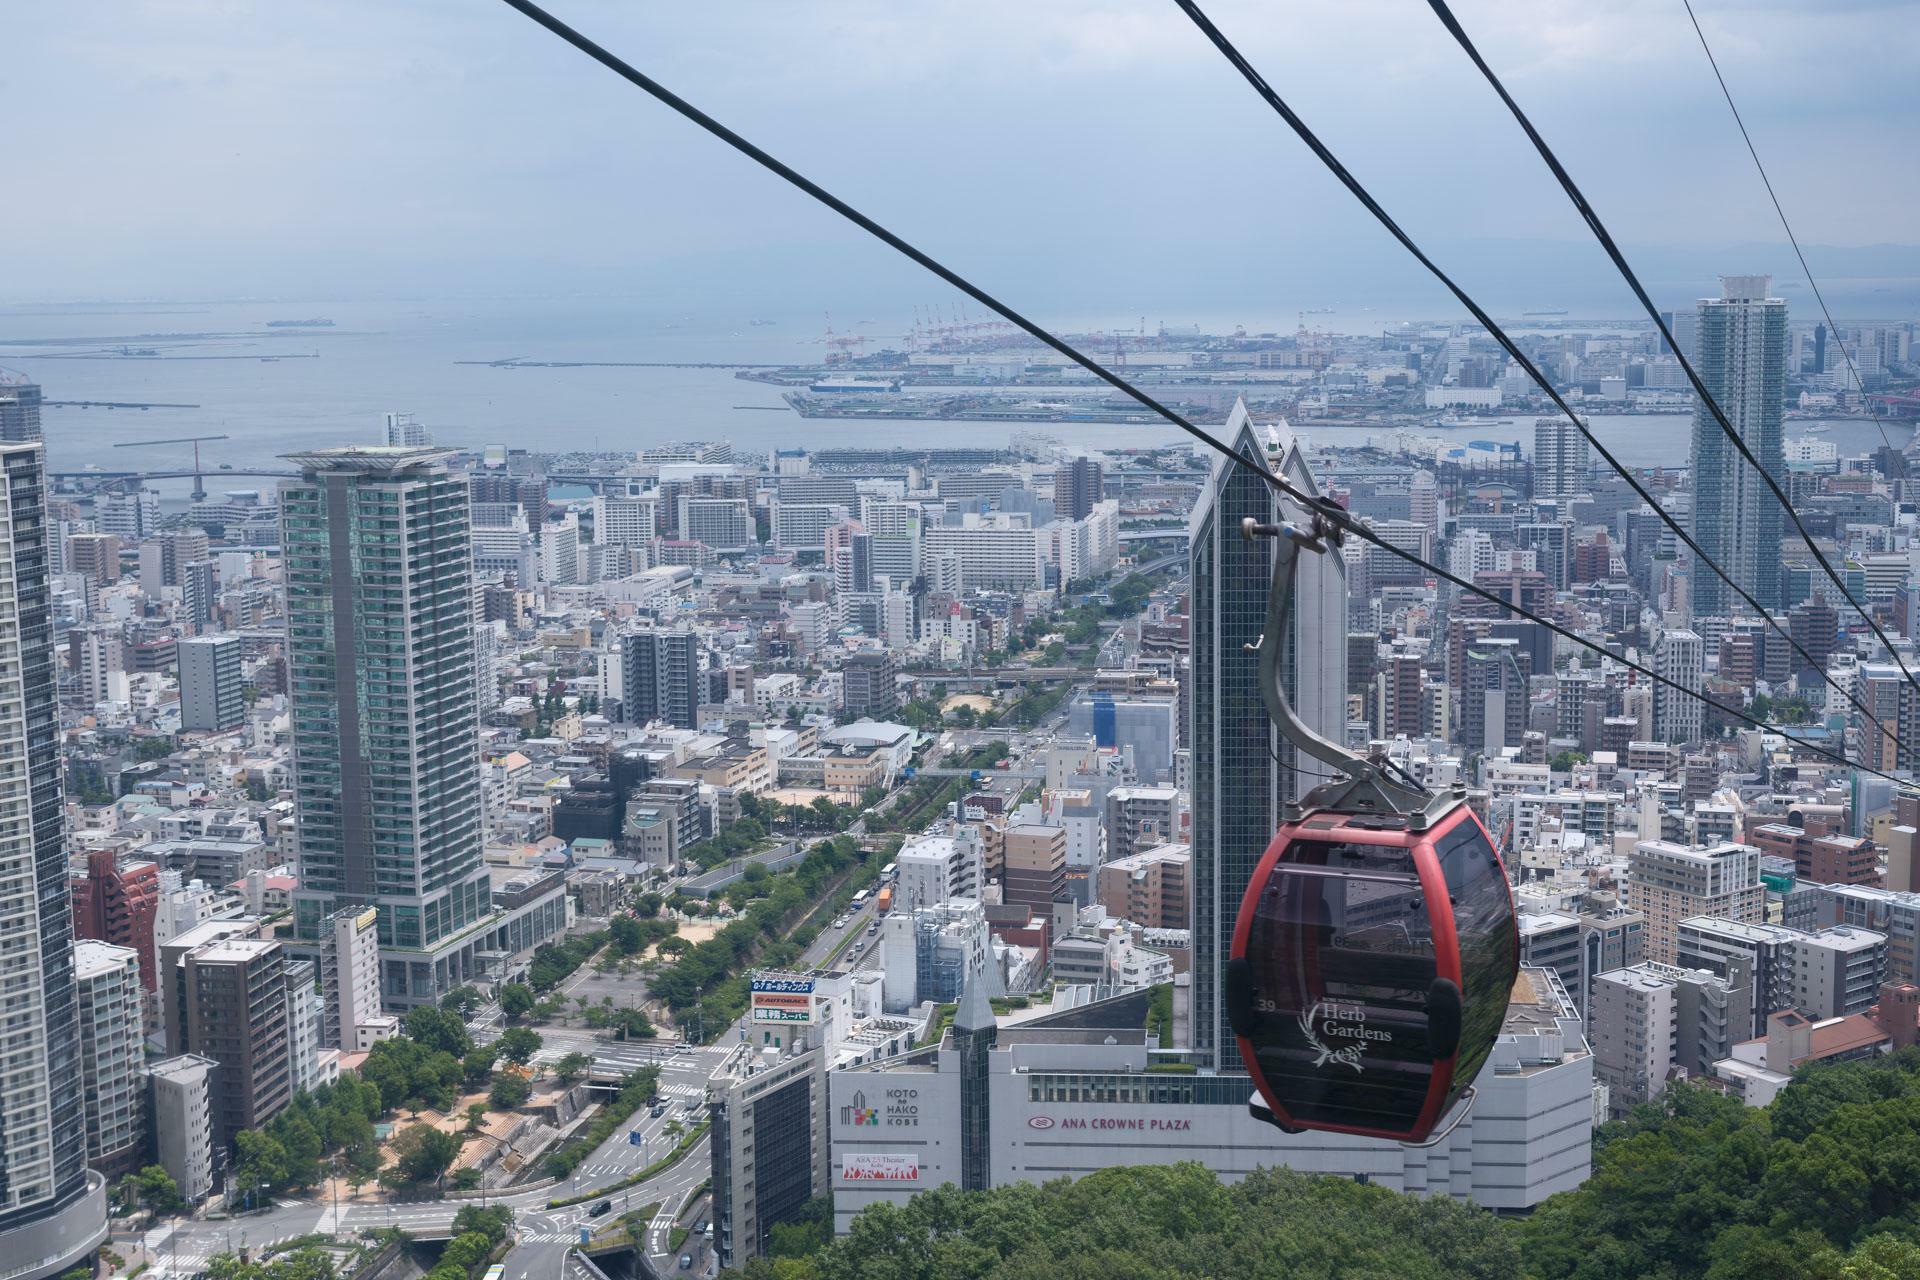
x,y
660,676
1680,656
931,869
211,693
1740,353
1077,488
116,902
19,409
386,753
868,684
236,1014
112,1061
1561,461
1652,1022
51,1208
350,982
1148,888
1668,883
1141,817
1035,866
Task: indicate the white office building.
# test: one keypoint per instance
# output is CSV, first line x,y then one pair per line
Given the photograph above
x,y
1070,1094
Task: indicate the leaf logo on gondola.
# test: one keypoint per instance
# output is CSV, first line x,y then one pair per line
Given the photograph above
x,y
1346,1055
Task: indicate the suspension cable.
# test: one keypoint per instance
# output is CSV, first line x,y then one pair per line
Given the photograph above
x,y
1719,415
1360,193
1329,510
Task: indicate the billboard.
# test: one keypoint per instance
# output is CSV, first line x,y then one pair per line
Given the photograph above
x,y
781,1000
879,1166
781,1015
797,986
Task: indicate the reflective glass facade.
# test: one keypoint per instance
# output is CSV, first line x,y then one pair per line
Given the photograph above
x,y
1740,353
1241,771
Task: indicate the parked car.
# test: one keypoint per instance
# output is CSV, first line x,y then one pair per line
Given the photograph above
x,y
686,1262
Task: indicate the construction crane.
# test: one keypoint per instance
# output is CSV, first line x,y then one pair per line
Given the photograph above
x,y
199,477
842,347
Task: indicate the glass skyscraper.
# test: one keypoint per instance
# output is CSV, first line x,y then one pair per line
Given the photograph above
x,y
1740,353
380,652
1242,771
52,1210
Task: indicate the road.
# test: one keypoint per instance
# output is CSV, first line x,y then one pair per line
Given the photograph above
x,y
545,1236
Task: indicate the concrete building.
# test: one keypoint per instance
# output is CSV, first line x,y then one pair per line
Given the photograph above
x,y
236,1014
349,970
210,684
1139,818
932,953
182,1099
769,1145
1838,971
1148,888
107,979
52,1210
660,676
1561,459
116,902
380,649
19,409
1077,488
1237,790
1653,1021
1762,955
1681,657
1034,872
1148,726
867,685
1668,883
1740,353
931,869
1071,1093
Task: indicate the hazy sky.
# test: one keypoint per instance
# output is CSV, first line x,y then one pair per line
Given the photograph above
x,y
1099,156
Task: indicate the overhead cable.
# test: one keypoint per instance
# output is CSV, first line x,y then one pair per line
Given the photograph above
x,y
1360,193
1719,415
1330,511
1786,226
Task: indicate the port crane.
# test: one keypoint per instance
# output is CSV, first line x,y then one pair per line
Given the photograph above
x,y
199,476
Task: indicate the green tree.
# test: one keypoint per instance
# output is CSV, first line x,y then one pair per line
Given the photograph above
x,y
491,1221
157,1190
627,938
518,1045
477,1067
259,1161
516,1000
571,1067
510,1089
462,1000
421,1153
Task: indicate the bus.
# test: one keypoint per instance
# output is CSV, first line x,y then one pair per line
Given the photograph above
x,y
860,898
886,872
497,1271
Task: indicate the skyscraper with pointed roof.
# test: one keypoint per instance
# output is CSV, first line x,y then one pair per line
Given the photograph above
x,y
1242,770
